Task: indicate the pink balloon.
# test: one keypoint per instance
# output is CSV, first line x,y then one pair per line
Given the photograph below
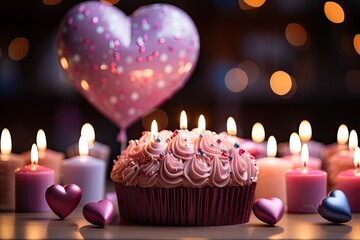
x,y
125,65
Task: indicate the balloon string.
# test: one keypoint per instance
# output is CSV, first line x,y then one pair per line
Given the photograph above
x,y
122,138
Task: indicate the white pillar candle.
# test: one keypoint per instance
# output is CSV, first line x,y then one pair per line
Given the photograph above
x,y
87,172
271,178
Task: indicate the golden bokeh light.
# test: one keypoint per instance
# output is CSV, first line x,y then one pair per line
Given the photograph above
x,y
280,83
64,63
334,12
356,43
51,2
18,48
296,34
236,80
111,2
251,69
84,85
255,3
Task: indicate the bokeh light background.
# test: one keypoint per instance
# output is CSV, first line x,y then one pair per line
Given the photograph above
x,y
276,62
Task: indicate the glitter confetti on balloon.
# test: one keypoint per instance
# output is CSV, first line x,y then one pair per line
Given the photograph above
x,y
125,65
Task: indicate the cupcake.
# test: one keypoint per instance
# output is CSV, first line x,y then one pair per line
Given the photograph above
x,y
184,178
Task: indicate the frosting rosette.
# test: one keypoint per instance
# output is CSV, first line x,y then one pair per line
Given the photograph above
x,y
181,145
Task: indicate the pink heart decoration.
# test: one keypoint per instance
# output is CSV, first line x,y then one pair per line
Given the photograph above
x,y
99,213
269,211
126,65
63,200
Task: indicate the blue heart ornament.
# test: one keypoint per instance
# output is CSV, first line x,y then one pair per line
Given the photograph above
x,y
335,207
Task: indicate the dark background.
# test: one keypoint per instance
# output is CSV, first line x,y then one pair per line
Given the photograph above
x,y
34,92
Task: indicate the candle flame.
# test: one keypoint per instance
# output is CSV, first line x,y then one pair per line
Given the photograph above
x,y
342,134
88,132
353,140
295,144
258,133
34,155
83,146
231,126
305,132
304,155
183,120
5,144
357,158
154,128
201,123
41,140
271,147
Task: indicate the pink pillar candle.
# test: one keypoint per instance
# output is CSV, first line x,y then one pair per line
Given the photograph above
x,y
305,188
349,182
31,183
8,164
50,159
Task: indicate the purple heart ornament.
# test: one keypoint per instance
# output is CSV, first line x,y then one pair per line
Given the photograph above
x,y
99,213
125,65
335,207
269,210
63,200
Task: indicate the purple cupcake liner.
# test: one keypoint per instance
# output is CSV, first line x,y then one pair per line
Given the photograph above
x,y
182,206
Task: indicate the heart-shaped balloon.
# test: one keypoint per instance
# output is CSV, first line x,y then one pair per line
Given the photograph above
x,y
269,210
63,200
335,207
99,213
125,65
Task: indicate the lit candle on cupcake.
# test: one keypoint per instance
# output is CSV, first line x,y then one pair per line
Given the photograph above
x,y
305,133
230,134
342,160
256,147
8,163
305,187
183,120
295,150
348,181
271,179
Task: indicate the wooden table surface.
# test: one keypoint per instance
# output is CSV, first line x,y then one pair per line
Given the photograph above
x,y
292,226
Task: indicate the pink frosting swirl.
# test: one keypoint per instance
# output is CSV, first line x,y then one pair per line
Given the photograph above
x,y
197,171
220,173
209,143
185,158
181,145
149,173
171,171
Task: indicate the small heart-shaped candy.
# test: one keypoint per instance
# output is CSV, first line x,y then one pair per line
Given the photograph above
x,y
99,213
269,210
335,207
63,200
